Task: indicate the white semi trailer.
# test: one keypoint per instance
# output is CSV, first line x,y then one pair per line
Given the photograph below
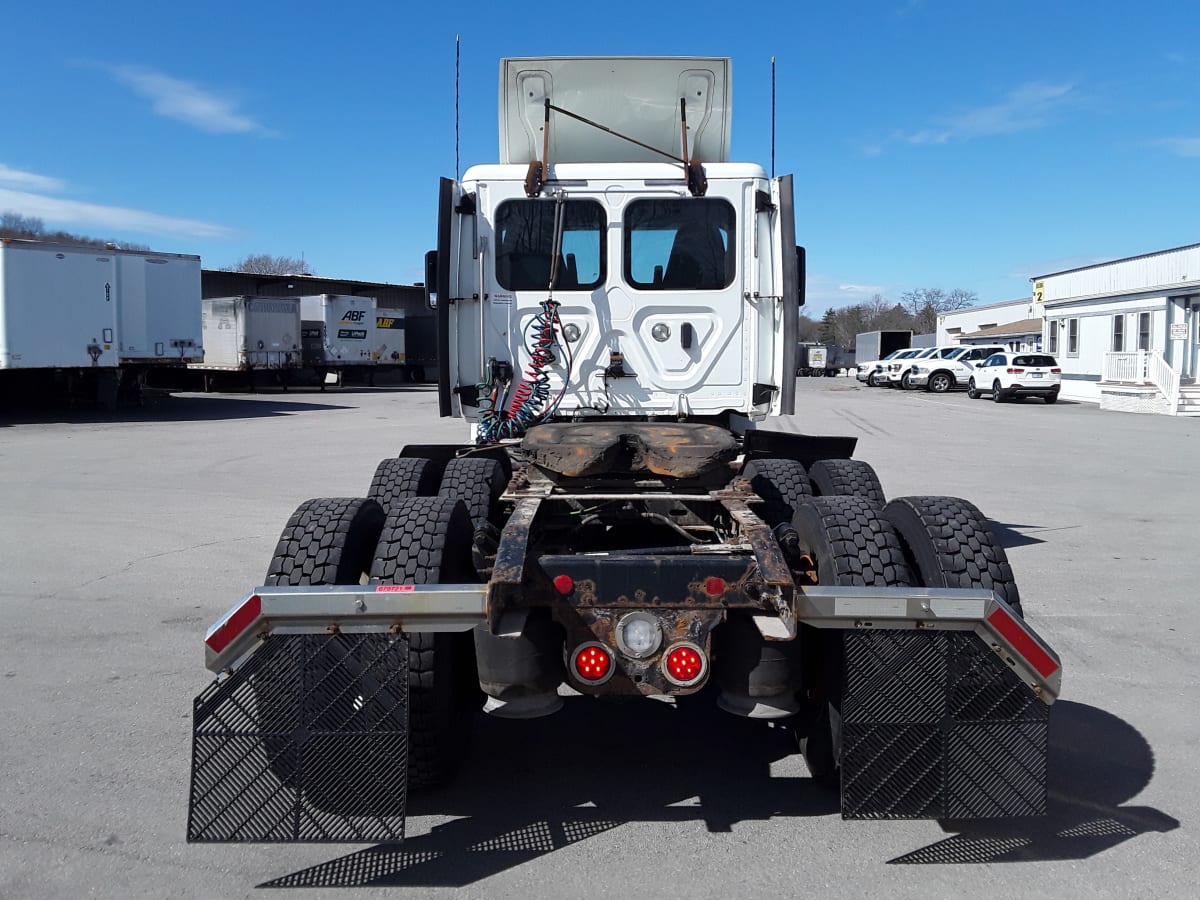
x,y
247,336
338,333
95,319
628,516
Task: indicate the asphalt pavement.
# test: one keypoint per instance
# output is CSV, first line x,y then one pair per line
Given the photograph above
x,y
124,536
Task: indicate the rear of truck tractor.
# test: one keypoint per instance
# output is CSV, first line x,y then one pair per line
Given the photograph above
x,y
619,332
666,559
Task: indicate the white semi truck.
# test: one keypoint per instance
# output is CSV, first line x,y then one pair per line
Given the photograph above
x,y
95,319
618,306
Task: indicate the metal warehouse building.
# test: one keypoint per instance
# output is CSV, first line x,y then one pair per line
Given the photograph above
x,y
1127,333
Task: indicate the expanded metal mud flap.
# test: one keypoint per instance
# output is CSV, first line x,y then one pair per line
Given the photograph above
x,y
935,725
307,741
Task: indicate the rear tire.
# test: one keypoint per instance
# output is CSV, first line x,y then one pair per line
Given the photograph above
x,y
851,545
997,393
401,479
949,544
782,484
476,481
846,478
427,540
1051,398
326,541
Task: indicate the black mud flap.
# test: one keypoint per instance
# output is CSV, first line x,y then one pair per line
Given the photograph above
x,y
935,725
306,742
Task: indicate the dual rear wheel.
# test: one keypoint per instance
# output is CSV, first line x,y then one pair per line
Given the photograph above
x,y
848,537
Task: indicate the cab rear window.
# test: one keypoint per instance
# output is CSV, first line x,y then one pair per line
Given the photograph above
x,y
673,244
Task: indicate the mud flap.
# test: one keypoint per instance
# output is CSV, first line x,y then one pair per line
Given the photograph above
x,y
936,725
305,742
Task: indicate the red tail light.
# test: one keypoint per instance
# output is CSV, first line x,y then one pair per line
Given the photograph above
x,y
1056,371
1041,661
592,663
1015,371
237,621
684,664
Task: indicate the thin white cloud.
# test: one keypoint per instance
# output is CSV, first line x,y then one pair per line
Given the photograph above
x,y
28,180
187,102
868,290
1028,106
826,291
61,212
1181,146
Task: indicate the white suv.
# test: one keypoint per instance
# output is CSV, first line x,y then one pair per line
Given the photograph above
x,y
949,368
1016,375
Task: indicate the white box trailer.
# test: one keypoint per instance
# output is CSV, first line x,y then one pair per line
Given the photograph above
x,y
245,333
58,306
158,308
338,331
390,338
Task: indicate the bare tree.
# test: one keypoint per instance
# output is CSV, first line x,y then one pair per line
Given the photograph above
x,y
31,228
265,264
13,224
924,304
807,330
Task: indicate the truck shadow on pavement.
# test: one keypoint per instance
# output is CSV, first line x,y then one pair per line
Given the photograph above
x,y
1097,763
534,787
163,408
700,764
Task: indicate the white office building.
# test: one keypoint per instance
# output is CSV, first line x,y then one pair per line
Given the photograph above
x,y
1127,333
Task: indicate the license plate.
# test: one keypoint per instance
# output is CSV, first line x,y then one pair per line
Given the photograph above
x,y
1035,374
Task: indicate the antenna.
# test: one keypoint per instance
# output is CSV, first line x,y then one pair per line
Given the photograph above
x,y
457,56
772,117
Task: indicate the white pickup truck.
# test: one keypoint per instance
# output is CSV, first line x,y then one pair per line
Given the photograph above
x,y
947,368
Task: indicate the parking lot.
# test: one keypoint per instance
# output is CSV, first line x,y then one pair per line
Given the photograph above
x,y
125,535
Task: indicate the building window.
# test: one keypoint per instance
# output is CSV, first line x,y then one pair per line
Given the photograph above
x,y
1052,335
1118,333
1072,337
1144,331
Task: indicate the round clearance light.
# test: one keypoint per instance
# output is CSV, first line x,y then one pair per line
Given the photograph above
x,y
571,333
564,584
638,635
592,663
684,664
660,332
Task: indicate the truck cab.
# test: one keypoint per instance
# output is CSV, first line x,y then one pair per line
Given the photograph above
x,y
615,284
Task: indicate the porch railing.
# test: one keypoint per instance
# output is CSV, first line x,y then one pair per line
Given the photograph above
x,y
1143,367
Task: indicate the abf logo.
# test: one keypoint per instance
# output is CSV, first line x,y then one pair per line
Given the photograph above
x,y
354,315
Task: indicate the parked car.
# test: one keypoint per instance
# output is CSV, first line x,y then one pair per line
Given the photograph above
x,y
950,368
897,369
871,372
1008,375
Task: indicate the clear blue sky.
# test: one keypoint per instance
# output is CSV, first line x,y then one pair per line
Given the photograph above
x,y
935,143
